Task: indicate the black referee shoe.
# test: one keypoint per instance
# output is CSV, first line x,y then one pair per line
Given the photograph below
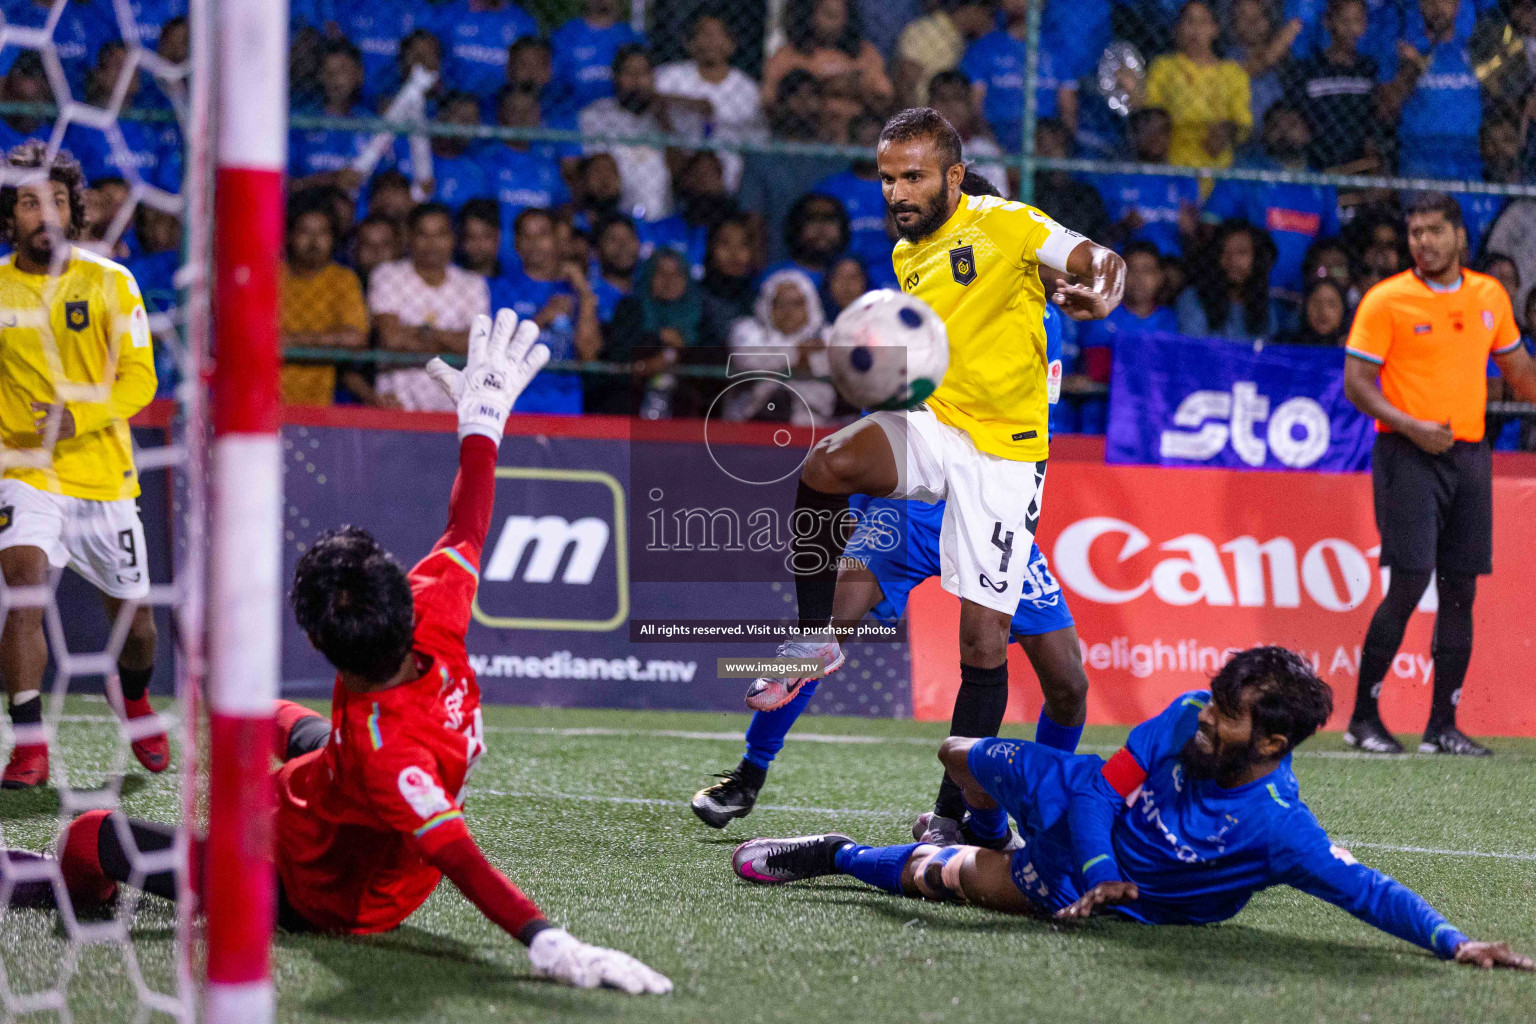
x,y
1371,736
1451,740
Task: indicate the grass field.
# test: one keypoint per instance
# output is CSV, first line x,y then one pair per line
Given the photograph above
x,y
586,810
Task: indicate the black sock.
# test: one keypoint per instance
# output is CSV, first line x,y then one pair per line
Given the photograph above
x,y
753,775
30,713
979,708
148,837
1452,647
1384,637
135,681
819,526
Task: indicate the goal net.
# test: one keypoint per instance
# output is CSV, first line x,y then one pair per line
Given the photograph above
x,y
131,106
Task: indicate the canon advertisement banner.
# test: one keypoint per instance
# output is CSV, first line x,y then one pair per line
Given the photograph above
x,y
1167,572
1206,402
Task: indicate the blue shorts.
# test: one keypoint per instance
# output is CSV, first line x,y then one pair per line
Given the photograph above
x,y
1031,783
899,542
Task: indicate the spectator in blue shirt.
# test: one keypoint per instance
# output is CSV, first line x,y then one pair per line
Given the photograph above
x,y
1259,47
858,190
584,49
1141,312
1229,295
479,237
772,182
150,18
815,233
458,170
420,48
154,269
702,202
1161,209
1075,32
1294,215
1431,93
77,37
845,282
476,35
522,174
616,254
150,152
995,64
377,28
25,82
322,156
1499,144
173,45
560,301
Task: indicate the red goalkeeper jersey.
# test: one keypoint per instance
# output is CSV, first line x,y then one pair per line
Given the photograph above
x,y
358,819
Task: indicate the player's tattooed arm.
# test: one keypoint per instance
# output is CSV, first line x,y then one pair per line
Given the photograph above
x,y
1100,282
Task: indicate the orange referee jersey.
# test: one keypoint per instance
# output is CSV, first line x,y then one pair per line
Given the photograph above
x,y
1433,346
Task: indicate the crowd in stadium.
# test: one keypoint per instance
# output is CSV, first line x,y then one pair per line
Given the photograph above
x,y
653,253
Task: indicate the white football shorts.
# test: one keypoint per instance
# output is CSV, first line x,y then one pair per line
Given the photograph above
x,y
992,505
103,541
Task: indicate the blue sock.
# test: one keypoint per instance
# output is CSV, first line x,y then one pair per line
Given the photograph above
x,y
988,823
765,736
1050,733
879,866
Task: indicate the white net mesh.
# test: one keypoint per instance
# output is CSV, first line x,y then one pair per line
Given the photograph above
x,y
122,107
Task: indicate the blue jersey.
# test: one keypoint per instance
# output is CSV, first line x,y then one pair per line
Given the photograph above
x,y
583,62
151,153
1195,850
376,28
475,41
521,180
549,391
675,233
1122,323
1157,200
79,34
608,296
898,541
1294,215
1437,131
864,202
325,150
1478,212
150,16
997,61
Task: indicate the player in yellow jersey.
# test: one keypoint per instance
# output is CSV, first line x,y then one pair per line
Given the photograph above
x,y
75,364
979,443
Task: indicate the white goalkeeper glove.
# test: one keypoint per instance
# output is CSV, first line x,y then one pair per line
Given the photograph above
x,y
502,360
556,953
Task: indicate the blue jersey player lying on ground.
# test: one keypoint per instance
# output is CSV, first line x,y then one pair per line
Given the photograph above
x,y
1195,814
893,549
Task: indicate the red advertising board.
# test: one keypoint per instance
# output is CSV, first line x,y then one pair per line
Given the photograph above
x,y
1167,569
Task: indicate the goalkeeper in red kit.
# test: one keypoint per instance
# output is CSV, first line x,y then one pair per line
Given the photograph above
x,y
371,802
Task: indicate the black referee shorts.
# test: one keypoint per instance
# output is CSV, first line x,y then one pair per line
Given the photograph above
x,y
1435,512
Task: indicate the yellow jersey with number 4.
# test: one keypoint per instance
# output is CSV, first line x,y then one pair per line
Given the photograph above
x,y
980,273
81,339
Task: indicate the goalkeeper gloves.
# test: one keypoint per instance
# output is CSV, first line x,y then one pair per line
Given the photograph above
x,y
556,953
502,360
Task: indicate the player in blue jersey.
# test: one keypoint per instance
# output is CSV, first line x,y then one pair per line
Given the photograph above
x,y
894,548
1195,814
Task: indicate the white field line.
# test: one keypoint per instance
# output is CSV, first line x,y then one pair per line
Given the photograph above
x,y
862,812
858,740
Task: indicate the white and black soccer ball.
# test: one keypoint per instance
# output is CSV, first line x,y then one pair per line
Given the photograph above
x,y
888,350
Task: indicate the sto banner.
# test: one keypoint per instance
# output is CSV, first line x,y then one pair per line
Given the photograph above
x,y
1168,571
1206,402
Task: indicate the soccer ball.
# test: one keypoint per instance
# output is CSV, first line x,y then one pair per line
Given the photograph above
x,y
888,350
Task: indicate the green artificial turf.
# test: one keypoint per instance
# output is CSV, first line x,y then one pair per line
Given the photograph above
x,y
586,811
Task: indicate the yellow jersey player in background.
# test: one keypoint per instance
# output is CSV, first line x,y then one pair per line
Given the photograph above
x,y
979,443
75,363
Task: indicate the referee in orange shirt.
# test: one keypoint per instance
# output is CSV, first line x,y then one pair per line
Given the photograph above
x,y
1428,333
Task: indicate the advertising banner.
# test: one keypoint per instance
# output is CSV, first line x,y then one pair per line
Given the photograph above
x,y
615,574
1167,571
1207,402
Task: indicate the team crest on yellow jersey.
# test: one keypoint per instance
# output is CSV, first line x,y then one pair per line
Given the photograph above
x,y
77,315
962,263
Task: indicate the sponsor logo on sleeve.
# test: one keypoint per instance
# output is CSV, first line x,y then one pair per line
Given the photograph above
x,y
424,795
